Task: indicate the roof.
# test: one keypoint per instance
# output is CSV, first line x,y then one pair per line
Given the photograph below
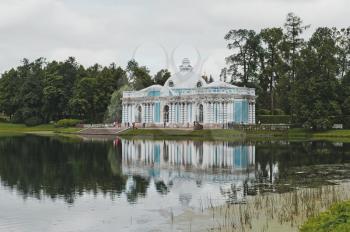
x,y
185,78
221,84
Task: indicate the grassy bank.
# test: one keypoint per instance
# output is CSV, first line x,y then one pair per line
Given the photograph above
x,y
220,134
10,128
336,219
212,134
215,134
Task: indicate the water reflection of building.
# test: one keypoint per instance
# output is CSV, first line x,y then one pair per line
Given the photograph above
x,y
228,165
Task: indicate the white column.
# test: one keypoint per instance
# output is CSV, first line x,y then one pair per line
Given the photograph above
x,y
212,112
152,112
181,113
209,112
233,112
225,112
219,112
191,113
170,112
250,112
254,113
229,111
173,113
145,113
123,113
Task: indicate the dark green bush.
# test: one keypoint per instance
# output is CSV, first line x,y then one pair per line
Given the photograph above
x,y
3,119
273,119
263,112
33,121
68,122
278,112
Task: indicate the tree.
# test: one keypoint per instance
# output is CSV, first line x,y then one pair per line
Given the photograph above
x,y
211,79
293,42
9,85
138,75
272,38
314,97
85,99
114,110
53,97
162,76
243,63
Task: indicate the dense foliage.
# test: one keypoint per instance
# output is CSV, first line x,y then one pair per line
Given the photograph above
x,y
40,91
307,79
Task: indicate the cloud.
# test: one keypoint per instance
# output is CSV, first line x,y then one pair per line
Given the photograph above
x,y
108,31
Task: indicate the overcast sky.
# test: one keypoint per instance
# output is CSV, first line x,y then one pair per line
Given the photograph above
x,y
106,31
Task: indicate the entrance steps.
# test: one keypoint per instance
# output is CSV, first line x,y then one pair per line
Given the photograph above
x,y
101,131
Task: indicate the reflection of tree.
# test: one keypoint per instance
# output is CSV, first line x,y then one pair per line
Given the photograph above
x,y
289,157
161,187
138,189
41,165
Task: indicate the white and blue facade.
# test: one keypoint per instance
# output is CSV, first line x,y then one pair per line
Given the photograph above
x,y
186,98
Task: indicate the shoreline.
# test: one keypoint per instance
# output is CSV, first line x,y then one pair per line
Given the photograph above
x,y
180,134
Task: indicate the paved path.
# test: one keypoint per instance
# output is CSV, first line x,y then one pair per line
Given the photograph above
x,y
101,131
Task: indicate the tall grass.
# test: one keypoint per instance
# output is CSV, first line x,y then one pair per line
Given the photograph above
x,y
277,212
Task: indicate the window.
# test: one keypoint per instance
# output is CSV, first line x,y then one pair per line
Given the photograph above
x,y
166,113
171,84
199,84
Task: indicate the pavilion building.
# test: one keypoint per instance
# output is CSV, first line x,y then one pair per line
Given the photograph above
x,y
186,98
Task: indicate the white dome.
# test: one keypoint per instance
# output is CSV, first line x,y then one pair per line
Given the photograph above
x,y
186,78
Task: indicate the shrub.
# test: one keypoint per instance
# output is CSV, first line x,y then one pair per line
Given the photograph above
x,y
336,219
263,112
273,119
3,119
278,112
33,121
68,122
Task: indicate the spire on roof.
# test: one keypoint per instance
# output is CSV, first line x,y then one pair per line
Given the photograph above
x,y
186,65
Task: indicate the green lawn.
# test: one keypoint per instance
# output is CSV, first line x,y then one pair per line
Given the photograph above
x,y
214,134
333,133
10,128
336,219
220,134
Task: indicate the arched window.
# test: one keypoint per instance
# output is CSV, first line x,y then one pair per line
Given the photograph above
x,y
138,114
166,113
171,84
199,84
200,118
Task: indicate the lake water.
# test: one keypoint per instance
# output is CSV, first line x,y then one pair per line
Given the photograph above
x,y
67,184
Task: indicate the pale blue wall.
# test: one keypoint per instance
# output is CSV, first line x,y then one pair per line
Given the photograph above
x,y
241,111
157,112
238,112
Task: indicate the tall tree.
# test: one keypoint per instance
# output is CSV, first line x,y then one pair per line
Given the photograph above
x,y
243,62
272,38
31,93
138,75
9,85
85,99
293,30
314,97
